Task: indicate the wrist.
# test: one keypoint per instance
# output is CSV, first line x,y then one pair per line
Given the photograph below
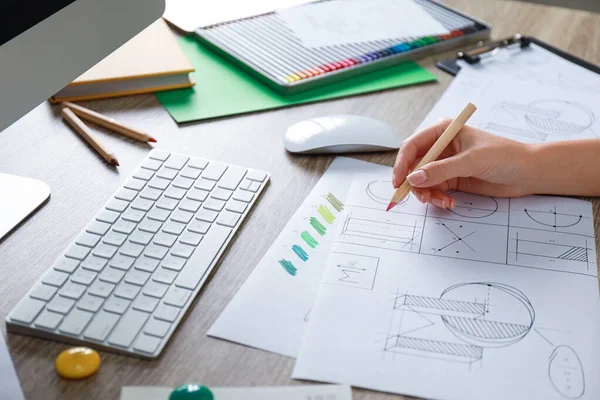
x,y
533,156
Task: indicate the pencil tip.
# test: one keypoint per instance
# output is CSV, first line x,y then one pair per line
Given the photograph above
x,y
391,205
151,139
114,161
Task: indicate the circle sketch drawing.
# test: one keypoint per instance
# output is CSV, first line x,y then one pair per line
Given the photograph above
x,y
382,191
552,218
473,205
559,117
488,314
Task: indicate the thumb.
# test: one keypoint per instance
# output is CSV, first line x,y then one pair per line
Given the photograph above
x,y
440,171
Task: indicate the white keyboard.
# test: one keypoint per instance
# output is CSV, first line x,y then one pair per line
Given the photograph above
x,y
127,280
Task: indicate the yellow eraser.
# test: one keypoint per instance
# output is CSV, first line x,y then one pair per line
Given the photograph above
x,y
77,363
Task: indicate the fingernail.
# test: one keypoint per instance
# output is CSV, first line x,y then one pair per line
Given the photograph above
x,y
420,197
439,203
417,178
452,204
394,180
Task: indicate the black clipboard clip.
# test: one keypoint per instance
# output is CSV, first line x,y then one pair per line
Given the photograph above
x,y
482,51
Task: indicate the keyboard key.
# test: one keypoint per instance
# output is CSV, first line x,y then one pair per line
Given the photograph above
x,y
232,177
27,310
118,205
124,227
182,250
77,252
128,328
140,237
87,239
160,155
214,171
183,183
116,305
105,250
198,163
66,264
164,239
197,194
131,249
76,322
214,204
94,263
107,216
228,219
126,194
146,344
55,278
126,291
150,194
48,320
143,174
251,186
206,215
176,161
72,290
158,214
190,238
167,173
159,183
43,292
114,238
157,328
164,276
199,226
150,226
122,261
135,184
256,176
173,227
175,193
138,278
97,227
198,264
155,289
142,204
145,303
167,203
236,206
173,263
221,194
83,276
132,215
153,165
177,296
190,205
204,184
60,305
101,326
101,289
189,172
111,275
182,216
166,313
90,303
156,251
146,264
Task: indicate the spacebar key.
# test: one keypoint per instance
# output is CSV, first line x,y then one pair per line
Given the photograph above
x,y
205,253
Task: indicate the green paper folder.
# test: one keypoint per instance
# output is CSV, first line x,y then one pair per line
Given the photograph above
x,y
222,89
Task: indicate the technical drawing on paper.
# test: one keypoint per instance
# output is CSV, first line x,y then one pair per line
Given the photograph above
x,y
352,270
459,324
552,218
474,208
565,372
381,192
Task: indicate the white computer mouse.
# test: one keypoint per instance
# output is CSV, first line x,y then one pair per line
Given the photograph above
x,y
341,134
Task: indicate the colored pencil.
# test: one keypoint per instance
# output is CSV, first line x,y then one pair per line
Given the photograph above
x,y
435,151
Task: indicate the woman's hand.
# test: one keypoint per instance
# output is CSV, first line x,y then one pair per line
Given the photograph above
x,y
475,161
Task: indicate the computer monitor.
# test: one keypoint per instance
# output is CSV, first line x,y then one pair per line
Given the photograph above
x,y
46,44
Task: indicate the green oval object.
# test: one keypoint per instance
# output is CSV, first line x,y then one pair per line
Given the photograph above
x,y
191,391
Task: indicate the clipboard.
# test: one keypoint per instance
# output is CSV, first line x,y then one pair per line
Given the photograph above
x,y
517,41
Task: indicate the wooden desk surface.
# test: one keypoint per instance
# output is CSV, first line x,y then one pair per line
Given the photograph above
x,y
41,146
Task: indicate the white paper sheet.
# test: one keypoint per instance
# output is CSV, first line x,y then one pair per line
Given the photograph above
x,y
305,392
271,309
333,23
496,299
528,95
189,15
9,382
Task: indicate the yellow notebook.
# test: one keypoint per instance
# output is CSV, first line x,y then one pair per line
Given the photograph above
x,y
152,61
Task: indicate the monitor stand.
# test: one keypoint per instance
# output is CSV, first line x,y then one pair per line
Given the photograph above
x,y
19,198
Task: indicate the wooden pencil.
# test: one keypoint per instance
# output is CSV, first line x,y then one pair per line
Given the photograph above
x,y
108,123
435,151
86,134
